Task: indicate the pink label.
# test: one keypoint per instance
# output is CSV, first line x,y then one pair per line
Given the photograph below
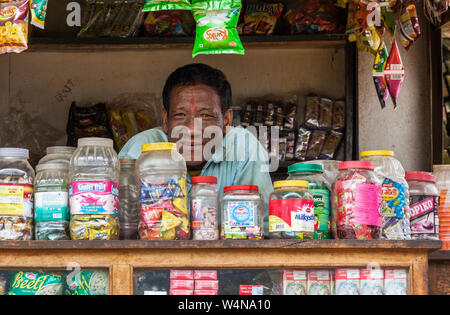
x,y
206,284
205,274
206,292
181,284
422,207
94,197
181,275
367,204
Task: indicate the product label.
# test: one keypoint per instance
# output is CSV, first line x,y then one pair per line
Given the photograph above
x,y
367,204
241,213
393,199
321,213
291,215
251,290
424,214
16,200
51,206
196,213
94,197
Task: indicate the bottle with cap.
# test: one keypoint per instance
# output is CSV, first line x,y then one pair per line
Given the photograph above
x,y
58,154
16,189
161,173
291,210
94,172
395,194
204,208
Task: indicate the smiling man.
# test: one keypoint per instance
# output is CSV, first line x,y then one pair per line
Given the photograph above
x,y
197,115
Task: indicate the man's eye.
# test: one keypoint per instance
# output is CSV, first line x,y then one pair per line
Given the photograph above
x,y
206,116
179,115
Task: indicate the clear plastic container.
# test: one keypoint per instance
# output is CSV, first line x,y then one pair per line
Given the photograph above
x,y
291,210
94,190
395,194
204,208
51,202
442,175
16,189
424,204
161,172
356,202
58,154
129,208
330,168
320,188
242,211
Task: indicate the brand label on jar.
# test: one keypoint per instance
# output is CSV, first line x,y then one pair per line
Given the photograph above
x,y
321,213
291,215
196,214
424,211
393,196
16,200
94,197
51,206
241,213
367,204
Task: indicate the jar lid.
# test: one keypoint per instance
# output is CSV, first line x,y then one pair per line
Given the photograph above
x,y
158,146
419,176
305,168
94,141
377,152
356,164
204,179
240,187
60,150
291,183
52,167
14,152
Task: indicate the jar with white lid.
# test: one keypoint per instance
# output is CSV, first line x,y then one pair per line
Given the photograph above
x,y
58,154
16,188
94,190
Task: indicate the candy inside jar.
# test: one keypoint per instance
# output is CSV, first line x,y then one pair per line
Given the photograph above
x,y
204,208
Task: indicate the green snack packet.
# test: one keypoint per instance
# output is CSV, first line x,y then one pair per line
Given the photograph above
x,y
158,5
35,283
216,27
88,282
38,12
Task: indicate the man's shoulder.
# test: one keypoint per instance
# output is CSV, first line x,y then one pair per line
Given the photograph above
x,y
243,144
132,148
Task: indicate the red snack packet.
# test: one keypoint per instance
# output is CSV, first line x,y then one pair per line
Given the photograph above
x,y
394,73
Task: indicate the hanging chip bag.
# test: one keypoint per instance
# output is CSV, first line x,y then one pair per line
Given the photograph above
x,y
38,12
378,74
158,5
216,27
409,24
14,26
394,73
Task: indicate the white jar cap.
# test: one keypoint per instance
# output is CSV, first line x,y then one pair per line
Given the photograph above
x,y
93,141
15,153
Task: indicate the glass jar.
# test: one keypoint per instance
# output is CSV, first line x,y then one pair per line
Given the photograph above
x,y
291,210
204,208
129,210
242,210
320,188
356,202
94,190
394,194
16,189
51,202
58,154
424,203
161,172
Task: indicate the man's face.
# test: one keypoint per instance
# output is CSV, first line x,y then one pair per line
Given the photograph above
x,y
188,103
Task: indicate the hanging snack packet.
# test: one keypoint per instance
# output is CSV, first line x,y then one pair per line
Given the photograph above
x,y
369,40
331,145
302,143
158,5
38,12
315,144
339,115
379,79
216,27
388,16
14,26
409,24
394,73
326,113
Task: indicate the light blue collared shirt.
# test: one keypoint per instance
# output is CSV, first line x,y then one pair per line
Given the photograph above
x,y
247,164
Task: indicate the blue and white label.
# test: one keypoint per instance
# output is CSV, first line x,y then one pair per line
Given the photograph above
x,y
241,213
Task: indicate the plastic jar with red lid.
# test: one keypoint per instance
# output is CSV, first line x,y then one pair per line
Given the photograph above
x,y
204,208
242,210
356,209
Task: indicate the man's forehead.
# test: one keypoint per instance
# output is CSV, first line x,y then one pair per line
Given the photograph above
x,y
199,94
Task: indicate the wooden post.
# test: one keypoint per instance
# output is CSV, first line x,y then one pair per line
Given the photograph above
x,y
121,279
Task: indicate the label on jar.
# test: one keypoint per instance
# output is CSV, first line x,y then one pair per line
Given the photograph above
x,y
241,213
16,200
196,214
51,206
203,217
393,199
291,215
321,213
367,204
424,214
94,197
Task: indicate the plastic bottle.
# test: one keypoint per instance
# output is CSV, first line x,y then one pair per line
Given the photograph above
x,y
58,154
94,190
204,208
128,200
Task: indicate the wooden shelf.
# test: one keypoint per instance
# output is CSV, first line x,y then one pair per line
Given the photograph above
x,y
440,255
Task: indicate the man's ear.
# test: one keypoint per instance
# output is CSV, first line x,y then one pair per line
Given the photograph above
x,y
228,120
165,121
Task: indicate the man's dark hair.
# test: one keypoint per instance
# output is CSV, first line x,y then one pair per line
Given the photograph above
x,y
198,73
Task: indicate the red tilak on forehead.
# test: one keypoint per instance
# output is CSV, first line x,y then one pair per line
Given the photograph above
x,y
192,104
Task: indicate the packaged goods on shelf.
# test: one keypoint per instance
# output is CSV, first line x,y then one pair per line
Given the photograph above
x,y
294,282
259,18
36,283
169,23
88,282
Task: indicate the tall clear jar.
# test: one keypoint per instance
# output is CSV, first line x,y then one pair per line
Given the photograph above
x,y
129,210
424,204
16,189
58,154
291,210
442,175
356,202
51,201
161,172
94,190
320,188
242,211
204,208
